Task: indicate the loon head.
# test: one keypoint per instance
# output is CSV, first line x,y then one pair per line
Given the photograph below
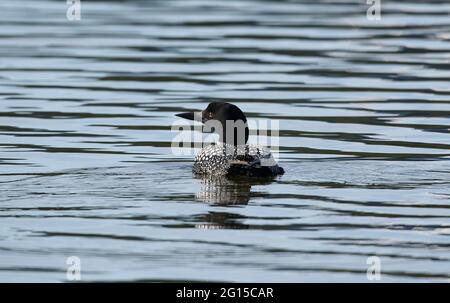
x,y
226,119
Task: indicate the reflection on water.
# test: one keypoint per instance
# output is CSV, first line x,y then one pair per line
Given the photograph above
x,y
226,191
220,220
86,167
223,191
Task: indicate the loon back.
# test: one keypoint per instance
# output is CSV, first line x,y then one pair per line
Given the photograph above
x,y
243,160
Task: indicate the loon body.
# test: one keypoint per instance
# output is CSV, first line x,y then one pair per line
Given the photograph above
x,y
231,156
249,160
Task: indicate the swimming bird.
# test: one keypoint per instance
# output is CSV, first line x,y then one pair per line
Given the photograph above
x,y
231,155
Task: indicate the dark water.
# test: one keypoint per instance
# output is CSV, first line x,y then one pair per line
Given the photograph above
x,y
86,167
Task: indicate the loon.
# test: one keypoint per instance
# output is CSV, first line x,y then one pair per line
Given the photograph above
x,y
231,156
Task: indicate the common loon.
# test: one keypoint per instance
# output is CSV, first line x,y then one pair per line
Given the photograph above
x,y
231,156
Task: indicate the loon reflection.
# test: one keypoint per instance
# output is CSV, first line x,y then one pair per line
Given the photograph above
x,y
225,191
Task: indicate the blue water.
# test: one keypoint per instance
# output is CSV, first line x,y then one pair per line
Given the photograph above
x,y
87,170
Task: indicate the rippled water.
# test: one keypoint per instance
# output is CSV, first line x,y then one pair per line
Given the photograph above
x,y
86,167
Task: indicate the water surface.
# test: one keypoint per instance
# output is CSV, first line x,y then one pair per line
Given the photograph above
x,y
86,167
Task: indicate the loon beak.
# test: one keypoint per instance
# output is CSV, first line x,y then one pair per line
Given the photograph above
x,y
197,116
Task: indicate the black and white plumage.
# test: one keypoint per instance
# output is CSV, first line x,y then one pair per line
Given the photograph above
x,y
231,156
223,159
